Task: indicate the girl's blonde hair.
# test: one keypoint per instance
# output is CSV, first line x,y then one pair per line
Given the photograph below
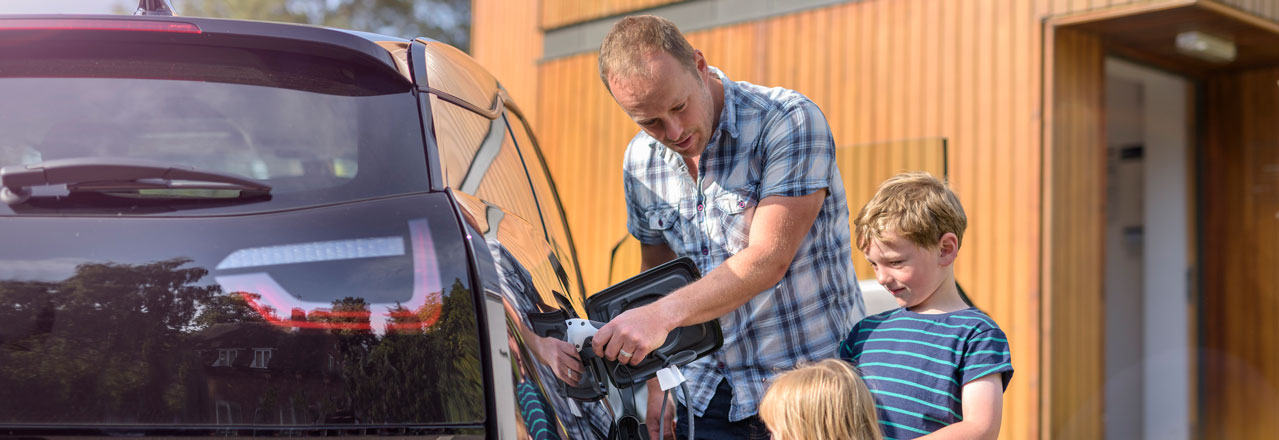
x,y
826,400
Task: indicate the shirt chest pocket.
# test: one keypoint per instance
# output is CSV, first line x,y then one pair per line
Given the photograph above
x,y
665,219
736,211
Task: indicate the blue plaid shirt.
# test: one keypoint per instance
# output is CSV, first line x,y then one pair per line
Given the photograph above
x,y
769,142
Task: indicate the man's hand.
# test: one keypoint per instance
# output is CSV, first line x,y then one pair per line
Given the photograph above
x,y
634,334
654,418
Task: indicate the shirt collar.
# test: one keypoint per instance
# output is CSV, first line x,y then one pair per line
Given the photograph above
x,y
728,115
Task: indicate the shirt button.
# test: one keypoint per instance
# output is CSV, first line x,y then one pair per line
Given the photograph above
x,y
721,365
705,251
699,206
741,204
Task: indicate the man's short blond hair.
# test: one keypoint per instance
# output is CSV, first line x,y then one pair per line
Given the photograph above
x,y
914,205
633,38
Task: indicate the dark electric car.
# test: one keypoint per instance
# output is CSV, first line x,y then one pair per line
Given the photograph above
x,y
219,227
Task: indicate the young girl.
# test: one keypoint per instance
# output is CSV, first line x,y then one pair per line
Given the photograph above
x,y
826,400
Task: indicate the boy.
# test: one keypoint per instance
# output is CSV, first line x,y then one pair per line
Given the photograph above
x,y
937,367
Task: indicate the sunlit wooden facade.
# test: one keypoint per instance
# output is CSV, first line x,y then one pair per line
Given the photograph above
x,y
1013,89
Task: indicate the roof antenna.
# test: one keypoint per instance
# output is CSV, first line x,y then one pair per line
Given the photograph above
x,y
155,7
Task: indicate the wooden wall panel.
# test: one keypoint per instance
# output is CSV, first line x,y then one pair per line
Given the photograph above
x,y
506,41
1074,197
891,70
558,13
1240,297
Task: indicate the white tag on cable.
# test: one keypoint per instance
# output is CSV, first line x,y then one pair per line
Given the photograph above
x,y
572,406
669,377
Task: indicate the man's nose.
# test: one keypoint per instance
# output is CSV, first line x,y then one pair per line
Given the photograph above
x,y
674,131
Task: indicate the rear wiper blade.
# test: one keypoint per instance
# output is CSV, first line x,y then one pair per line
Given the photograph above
x,y
119,174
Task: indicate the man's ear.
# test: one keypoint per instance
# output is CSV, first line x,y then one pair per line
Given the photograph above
x,y
699,62
949,247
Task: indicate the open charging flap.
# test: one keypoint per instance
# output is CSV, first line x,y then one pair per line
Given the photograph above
x,y
683,345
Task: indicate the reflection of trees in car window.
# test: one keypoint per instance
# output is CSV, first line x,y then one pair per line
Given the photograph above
x,y
406,374
100,343
148,343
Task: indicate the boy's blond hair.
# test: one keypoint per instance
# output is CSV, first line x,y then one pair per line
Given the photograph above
x,y
634,37
826,400
913,205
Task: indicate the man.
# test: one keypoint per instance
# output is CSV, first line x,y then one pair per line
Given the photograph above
x,y
742,179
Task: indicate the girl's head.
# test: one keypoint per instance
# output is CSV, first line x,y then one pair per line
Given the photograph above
x,y
826,400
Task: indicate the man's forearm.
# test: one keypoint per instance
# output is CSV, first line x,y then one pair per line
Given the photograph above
x,y
726,288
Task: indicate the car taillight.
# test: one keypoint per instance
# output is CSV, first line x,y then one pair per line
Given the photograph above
x,y
95,24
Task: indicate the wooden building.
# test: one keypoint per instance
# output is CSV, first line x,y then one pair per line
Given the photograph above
x,y
1122,194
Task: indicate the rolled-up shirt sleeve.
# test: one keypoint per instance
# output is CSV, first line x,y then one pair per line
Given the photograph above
x,y
799,152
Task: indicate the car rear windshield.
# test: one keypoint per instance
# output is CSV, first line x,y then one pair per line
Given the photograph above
x,y
352,316
315,129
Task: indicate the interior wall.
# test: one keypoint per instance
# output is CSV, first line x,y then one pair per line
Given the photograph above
x,y
1125,255
1167,289
1165,297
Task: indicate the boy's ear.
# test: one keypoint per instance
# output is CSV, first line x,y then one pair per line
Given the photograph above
x,y
949,247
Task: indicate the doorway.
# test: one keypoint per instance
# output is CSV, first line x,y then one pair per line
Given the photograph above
x,y
1147,275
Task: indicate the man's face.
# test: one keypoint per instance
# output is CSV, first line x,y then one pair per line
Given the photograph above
x,y
671,104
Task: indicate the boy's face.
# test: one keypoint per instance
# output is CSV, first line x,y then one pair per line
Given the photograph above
x,y
912,273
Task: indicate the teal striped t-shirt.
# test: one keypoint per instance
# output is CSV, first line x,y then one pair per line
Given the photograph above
x,y
917,364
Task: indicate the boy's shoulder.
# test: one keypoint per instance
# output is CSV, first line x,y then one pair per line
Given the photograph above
x,y
884,315
970,321
975,317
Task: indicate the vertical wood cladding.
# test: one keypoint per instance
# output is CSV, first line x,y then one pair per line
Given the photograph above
x,y
1239,394
1074,236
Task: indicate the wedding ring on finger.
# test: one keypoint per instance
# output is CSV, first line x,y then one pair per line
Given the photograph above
x,y
624,354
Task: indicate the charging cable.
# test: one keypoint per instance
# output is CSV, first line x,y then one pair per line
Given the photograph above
x,y
670,362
